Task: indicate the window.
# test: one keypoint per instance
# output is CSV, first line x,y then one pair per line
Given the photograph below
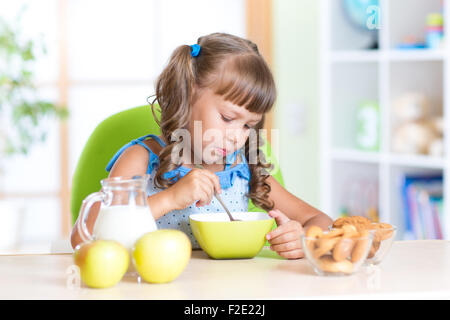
x,y
103,57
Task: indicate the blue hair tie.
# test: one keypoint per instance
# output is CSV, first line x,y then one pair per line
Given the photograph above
x,y
195,50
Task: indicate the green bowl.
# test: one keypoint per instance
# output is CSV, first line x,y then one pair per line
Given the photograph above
x,y
222,239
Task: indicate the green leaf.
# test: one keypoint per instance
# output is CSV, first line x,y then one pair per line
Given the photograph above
x,y
27,53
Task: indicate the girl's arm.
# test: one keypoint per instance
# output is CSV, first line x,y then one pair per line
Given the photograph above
x,y
292,215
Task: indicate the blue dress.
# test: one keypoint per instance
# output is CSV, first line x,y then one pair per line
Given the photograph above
x,y
234,181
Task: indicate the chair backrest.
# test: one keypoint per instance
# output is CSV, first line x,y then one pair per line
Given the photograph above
x,y
107,138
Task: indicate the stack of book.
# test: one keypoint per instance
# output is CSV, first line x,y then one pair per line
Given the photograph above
x,y
423,207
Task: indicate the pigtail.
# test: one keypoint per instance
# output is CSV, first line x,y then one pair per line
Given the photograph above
x,y
259,188
174,89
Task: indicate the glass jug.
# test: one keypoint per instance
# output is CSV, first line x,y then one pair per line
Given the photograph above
x,y
124,215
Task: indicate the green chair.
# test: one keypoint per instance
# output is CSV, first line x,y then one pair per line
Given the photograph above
x,y
108,137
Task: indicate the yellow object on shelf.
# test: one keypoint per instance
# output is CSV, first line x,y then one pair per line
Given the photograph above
x,y
372,214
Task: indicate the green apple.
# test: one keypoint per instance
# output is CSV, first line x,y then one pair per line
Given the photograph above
x,y
160,256
102,263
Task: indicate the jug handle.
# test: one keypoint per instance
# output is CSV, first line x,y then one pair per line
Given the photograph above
x,y
84,212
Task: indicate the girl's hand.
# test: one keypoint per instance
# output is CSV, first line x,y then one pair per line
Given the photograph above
x,y
285,239
197,185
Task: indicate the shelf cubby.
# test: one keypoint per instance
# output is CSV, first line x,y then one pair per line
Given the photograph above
x,y
355,187
398,211
408,18
351,74
352,84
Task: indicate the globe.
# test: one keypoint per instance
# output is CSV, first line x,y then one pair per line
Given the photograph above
x,y
357,11
364,15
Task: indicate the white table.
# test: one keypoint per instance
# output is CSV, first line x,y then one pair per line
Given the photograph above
x,y
413,269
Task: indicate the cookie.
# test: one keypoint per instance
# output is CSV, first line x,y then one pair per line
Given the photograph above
x,y
333,233
373,249
349,231
382,232
361,223
324,246
361,246
313,232
328,264
343,249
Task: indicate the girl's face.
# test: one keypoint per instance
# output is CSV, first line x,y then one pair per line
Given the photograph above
x,y
218,127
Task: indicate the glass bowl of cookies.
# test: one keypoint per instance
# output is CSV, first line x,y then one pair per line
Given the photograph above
x,y
337,252
383,235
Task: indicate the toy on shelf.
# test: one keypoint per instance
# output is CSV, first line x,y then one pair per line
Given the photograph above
x,y
343,212
372,214
411,42
435,31
416,131
368,126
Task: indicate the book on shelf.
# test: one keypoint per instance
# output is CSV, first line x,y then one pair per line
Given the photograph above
x,y
423,206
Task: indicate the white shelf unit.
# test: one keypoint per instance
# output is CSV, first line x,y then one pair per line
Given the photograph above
x,y
348,74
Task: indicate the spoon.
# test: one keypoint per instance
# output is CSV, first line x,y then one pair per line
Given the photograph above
x,y
220,199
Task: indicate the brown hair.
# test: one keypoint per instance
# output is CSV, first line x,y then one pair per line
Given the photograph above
x,y
234,69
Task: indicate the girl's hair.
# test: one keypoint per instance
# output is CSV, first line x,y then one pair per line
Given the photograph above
x,y
234,69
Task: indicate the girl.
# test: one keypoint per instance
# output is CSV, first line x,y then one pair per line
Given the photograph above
x,y
213,96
